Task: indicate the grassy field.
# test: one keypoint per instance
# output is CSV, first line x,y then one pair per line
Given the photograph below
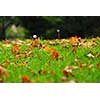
x,y
57,61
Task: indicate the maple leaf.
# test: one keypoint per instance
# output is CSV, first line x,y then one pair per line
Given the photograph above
x,y
16,49
25,79
54,55
47,49
74,41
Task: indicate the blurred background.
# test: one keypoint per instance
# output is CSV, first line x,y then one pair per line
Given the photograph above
x,y
49,27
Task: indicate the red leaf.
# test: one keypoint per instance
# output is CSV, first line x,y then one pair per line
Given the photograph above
x,y
25,79
54,55
67,71
16,49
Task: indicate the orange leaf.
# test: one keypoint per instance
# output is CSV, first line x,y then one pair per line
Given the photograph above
x,y
25,79
16,49
29,53
74,40
54,55
3,72
47,49
33,45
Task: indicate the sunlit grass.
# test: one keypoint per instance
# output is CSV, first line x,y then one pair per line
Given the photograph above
x,y
41,68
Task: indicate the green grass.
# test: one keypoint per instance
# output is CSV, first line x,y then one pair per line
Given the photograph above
x,y
42,68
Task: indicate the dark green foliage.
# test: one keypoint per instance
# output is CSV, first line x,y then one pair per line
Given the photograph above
x,y
46,26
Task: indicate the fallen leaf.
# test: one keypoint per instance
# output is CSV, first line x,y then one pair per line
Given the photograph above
x,y
76,61
16,49
23,55
74,41
22,64
98,65
19,42
51,72
3,72
90,55
82,65
25,79
74,67
72,81
90,66
33,45
98,55
64,79
54,55
29,53
67,71
48,49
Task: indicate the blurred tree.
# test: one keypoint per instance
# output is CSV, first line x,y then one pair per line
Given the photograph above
x,y
5,21
47,26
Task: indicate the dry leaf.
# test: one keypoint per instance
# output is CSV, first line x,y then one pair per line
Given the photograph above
x,y
25,79
72,81
67,71
3,72
98,65
82,65
74,41
90,66
54,55
16,49
47,49
29,53
90,55
19,42
76,61
22,64
64,79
